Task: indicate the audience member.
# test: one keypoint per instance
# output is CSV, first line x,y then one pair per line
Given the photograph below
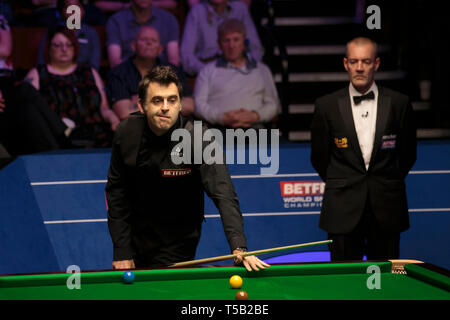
x,y
235,91
199,43
74,91
123,80
88,40
122,28
5,44
27,124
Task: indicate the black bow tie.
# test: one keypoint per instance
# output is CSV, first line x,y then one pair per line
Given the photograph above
x,y
368,96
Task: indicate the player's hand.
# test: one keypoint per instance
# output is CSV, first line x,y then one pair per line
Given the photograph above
x,y
250,262
123,264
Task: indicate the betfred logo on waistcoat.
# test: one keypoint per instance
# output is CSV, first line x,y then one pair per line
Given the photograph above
x,y
170,173
302,194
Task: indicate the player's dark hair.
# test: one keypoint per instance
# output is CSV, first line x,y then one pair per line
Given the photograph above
x,y
163,75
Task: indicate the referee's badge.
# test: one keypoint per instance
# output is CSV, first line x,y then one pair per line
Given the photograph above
x,y
341,142
388,141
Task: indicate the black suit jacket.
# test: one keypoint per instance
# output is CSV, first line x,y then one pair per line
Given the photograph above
x,y
153,202
337,157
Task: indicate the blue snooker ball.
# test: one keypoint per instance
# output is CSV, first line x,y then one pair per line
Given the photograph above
x,y
128,277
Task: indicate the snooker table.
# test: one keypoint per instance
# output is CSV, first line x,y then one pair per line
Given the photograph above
x,y
397,280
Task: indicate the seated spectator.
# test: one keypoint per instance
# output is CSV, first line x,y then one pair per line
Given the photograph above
x,y
88,40
122,28
199,44
27,124
235,91
123,80
74,91
5,45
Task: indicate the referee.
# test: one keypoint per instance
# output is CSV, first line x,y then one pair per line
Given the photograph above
x,y
155,208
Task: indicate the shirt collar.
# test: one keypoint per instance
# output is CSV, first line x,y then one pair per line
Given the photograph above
x,y
353,92
248,67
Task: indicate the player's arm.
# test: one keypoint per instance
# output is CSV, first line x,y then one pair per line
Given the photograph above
x,y
320,149
118,207
219,187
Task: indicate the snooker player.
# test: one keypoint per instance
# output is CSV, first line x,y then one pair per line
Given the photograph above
x,y
155,207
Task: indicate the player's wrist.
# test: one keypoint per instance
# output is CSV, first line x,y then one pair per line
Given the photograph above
x,y
239,260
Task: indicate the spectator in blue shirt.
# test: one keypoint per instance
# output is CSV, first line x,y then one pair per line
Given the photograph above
x,y
123,80
122,28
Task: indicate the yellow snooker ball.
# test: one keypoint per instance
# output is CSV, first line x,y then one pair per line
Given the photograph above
x,y
236,282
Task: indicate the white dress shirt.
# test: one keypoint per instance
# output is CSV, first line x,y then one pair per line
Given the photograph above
x,y
365,118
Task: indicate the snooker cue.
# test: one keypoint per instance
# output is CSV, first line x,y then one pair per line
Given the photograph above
x,y
244,254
